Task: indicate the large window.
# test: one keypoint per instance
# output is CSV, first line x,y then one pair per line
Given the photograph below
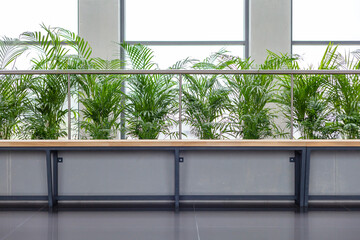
x,y
18,16
316,23
179,29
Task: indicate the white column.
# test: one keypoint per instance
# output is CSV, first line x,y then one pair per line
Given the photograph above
x,y
270,28
99,25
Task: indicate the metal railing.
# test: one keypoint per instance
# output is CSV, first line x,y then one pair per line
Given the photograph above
x,y
181,72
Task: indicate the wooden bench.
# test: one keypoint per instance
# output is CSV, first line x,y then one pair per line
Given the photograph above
x,y
302,149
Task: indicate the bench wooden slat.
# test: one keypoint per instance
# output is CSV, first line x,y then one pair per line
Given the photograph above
x,y
179,143
151,143
333,143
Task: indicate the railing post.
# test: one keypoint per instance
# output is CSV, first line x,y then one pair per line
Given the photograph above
x,y
69,108
292,108
180,106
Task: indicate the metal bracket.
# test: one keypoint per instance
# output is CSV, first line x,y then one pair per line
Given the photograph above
x,y
181,159
292,159
60,160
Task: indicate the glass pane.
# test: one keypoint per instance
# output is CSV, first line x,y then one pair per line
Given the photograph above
x,y
312,55
326,20
186,20
166,56
23,62
19,16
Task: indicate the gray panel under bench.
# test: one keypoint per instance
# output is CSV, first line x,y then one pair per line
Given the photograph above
x,y
172,170
332,173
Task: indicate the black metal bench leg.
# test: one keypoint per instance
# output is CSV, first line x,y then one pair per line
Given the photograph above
x,y
307,177
55,177
177,180
49,179
302,178
298,155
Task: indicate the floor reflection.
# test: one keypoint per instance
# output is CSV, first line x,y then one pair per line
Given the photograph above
x,y
316,222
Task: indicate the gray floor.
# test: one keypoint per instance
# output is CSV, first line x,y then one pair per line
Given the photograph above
x,y
219,225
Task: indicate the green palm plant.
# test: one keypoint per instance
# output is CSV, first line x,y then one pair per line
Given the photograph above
x,y
251,115
101,98
13,99
13,92
312,117
344,96
46,118
151,99
206,100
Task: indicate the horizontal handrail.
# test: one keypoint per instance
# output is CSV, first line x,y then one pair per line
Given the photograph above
x,y
181,71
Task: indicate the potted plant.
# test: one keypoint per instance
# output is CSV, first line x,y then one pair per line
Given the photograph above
x,y
46,116
101,99
206,99
251,95
312,117
13,89
344,96
150,99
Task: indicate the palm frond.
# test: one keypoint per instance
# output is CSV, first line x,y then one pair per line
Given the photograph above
x,y
10,50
